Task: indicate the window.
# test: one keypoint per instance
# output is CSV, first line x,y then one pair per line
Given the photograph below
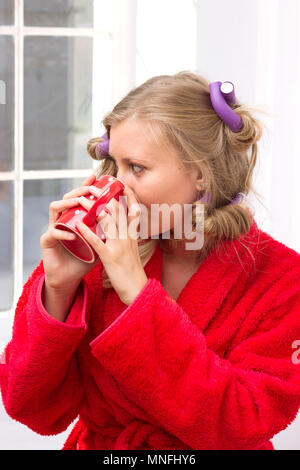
x,y
56,84
63,65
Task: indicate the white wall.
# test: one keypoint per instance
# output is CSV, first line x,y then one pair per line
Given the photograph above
x,y
256,45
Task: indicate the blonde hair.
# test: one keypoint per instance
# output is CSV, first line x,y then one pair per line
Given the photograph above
x,y
177,110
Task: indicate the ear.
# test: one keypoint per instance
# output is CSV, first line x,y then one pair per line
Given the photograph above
x,y
200,184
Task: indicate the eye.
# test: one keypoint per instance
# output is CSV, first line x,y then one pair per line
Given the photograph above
x,y
137,166
132,165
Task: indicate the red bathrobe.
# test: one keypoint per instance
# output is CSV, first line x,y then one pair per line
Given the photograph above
x,y
217,369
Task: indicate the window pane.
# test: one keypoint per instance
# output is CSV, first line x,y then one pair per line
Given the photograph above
x,y
61,13
6,245
38,194
6,103
57,102
7,12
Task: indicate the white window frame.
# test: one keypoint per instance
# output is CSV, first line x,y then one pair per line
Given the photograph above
x,y
122,34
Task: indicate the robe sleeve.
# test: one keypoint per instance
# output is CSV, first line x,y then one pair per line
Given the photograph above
x,y
161,361
39,375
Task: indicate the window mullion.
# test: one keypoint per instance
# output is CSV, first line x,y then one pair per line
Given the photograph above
x,y
68,32
19,151
7,30
56,174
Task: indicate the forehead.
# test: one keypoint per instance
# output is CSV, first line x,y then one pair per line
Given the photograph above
x,y
133,138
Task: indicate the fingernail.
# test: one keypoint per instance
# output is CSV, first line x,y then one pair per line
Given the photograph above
x,y
104,212
71,236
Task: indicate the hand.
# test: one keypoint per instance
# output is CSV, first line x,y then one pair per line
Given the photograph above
x,y
63,271
119,255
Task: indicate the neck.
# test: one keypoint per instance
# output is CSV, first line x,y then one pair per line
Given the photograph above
x,y
175,251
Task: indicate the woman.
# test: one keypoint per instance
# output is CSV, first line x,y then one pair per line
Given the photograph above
x,y
157,346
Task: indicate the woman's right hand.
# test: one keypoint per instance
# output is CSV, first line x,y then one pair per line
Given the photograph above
x,y
62,270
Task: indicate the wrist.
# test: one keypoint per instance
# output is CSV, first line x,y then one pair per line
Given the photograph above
x,y
61,289
133,293
57,302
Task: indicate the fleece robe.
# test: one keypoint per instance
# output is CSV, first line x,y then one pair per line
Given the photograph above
x,y
216,369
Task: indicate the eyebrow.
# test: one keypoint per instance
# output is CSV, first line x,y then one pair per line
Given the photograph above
x,y
127,160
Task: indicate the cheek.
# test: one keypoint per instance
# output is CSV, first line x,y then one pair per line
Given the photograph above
x,y
167,187
149,194
185,191
167,190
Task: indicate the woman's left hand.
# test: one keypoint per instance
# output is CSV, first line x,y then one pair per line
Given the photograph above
x,y
119,256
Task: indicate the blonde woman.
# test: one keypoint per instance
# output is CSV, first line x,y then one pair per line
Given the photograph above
x,y
157,346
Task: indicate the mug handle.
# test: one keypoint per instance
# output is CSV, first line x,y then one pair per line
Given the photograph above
x,y
114,190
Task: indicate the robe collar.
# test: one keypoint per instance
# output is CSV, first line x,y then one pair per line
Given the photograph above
x,y
216,275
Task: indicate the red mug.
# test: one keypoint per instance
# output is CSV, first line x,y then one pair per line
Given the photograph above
x,y
80,248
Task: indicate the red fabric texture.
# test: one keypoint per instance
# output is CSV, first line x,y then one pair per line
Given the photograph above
x,y
212,370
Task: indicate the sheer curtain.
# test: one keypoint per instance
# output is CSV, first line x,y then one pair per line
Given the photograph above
x,y
256,45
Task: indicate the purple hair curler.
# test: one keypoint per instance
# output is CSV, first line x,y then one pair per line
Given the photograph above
x,y
207,199
237,198
221,94
103,146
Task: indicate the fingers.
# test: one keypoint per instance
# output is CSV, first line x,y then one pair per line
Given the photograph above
x,y
89,180
96,192
112,205
87,204
56,207
61,234
77,192
56,234
134,208
83,188
83,191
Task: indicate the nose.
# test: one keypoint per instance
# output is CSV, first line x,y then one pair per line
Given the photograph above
x,y
121,177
